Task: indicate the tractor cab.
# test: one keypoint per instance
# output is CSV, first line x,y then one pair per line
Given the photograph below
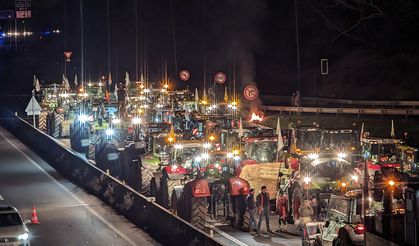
x,y
343,221
381,152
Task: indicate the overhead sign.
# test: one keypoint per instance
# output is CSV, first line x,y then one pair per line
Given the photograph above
x,y
220,78
23,9
33,107
250,92
184,75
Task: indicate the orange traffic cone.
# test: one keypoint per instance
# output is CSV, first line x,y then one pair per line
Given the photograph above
x,y
34,219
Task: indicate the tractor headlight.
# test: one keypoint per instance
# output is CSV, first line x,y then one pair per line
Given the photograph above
x,y
23,236
313,156
109,132
342,155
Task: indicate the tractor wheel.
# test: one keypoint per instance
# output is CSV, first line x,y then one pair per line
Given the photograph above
x,y
91,152
198,212
75,137
155,186
176,194
146,177
246,222
166,189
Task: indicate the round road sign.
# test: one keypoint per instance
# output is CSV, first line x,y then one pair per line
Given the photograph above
x,y
250,92
220,78
184,75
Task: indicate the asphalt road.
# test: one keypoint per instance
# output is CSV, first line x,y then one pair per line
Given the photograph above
x,y
67,214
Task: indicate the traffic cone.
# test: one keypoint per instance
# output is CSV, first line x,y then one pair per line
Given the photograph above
x,y
34,219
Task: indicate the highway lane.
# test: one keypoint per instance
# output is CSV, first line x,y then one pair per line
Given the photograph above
x,y
67,214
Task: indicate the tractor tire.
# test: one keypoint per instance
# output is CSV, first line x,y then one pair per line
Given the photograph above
x,y
175,201
91,152
75,137
246,222
146,177
198,212
155,186
166,189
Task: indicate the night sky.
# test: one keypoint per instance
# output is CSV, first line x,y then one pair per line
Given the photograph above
x,y
372,49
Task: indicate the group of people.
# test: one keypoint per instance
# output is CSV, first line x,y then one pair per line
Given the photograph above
x,y
260,207
259,210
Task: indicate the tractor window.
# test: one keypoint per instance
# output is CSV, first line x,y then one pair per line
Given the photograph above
x,y
339,208
262,152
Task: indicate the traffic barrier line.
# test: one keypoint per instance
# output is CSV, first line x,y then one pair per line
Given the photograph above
x,y
103,220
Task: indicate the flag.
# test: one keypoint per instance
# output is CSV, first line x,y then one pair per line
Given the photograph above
x,y
204,95
110,79
116,91
126,80
225,94
75,80
392,132
280,143
108,96
65,83
196,95
293,147
55,88
34,81
37,86
240,128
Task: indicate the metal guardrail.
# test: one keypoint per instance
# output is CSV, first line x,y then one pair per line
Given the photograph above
x,y
358,111
162,225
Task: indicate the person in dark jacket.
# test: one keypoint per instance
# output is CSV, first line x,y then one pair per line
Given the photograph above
x,y
251,209
262,203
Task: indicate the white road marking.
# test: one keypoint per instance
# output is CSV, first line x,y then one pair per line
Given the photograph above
x,y
228,236
103,220
1,198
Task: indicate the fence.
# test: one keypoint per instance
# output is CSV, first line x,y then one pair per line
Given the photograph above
x,y
140,210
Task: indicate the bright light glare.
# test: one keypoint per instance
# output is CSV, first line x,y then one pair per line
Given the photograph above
x,y
391,182
174,167
205,156
230,155
236,158
178,146
313,156
307,180
355,177
207,145
343,184
116,121
109,132
198,159
342,155
136,120
23,236
83,118
316,162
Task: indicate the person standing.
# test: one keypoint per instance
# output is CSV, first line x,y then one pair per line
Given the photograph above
x,y
281,209
262,203
251,209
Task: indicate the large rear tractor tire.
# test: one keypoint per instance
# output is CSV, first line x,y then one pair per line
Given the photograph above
x,y
166,188
146,177
198,212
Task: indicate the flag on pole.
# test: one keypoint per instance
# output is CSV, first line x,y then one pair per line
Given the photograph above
x,y
196,95
126,80
240,128
55,88
110,78
225,94
37,86
66,83
280,143
204,95
392,131
34,80
75,80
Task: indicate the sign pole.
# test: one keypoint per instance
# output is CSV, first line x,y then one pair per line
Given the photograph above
x,y
33,110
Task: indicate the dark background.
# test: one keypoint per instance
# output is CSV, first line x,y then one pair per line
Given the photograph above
x,y
372,46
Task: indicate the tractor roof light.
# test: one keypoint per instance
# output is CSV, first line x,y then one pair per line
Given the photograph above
x,y
83,118
207,145
343,184
355,178
342,155
212,138
313,156
136,120
109,132
391,183
178,146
